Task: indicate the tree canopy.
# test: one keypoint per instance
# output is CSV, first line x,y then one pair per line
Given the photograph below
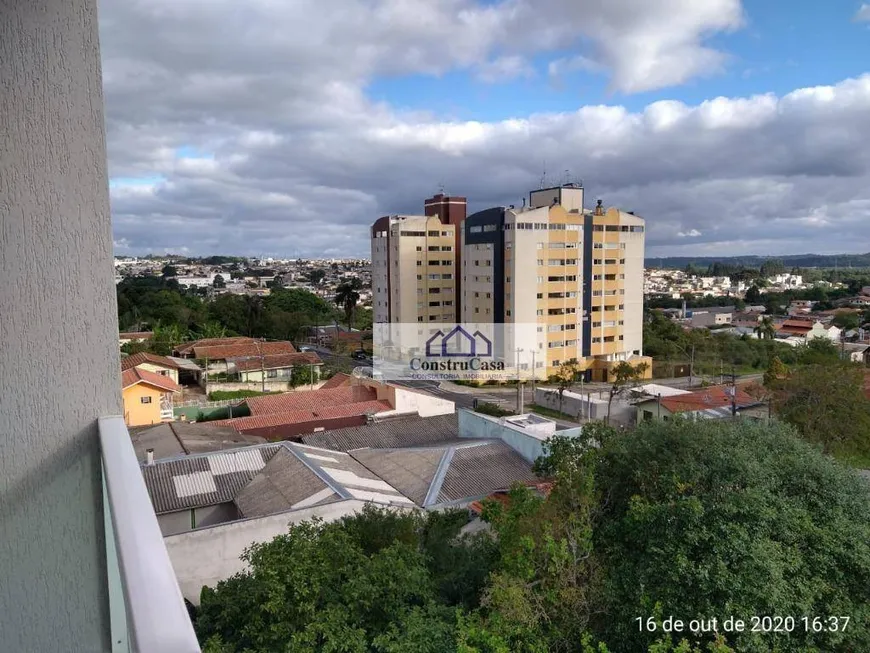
x,y
705,519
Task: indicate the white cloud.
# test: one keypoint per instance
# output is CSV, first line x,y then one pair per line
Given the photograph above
x,y
863,14
692,233
301,161
503,69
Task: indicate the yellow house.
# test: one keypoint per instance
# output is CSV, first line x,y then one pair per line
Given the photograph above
x,y
147,397
162,365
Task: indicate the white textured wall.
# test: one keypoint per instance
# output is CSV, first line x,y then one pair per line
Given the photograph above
x,y
58,327
209,555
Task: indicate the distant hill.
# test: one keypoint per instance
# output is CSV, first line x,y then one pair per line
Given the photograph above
x,y
790,261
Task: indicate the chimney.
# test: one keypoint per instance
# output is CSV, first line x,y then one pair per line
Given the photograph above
x,y
149,456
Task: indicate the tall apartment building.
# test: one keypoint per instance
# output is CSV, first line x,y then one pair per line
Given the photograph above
x,y
576,274
414,269
415,264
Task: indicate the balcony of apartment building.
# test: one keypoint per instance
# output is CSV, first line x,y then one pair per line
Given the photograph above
x,y
82,560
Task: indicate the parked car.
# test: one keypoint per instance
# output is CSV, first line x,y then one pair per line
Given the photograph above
x,y
305,348
360,355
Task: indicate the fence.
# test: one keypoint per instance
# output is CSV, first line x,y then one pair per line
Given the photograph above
x,y
205,403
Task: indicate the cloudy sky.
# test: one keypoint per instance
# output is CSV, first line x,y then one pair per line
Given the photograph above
x,y
285,127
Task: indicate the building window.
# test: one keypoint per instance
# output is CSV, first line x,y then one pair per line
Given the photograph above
x,y
539,246
419,249
145,400
540,295
508,312
271,374
445,233
433,234
475,230
420,318
419,263
539,312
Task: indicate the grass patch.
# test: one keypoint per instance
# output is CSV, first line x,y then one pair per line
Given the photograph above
x,y
549,412
223,395
858,460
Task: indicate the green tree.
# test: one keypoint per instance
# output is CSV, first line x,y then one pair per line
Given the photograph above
x,y
766,329
847,321
367,583
827,405
776,372
316,276
219,282
723,517
566,376
623,375
347,297
169,271
818,351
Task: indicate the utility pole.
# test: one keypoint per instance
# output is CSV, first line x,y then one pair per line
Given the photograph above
x,y
263,371
519,385
534,374
733,393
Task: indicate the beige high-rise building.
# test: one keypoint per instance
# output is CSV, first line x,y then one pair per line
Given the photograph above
x,y
576,274
413,270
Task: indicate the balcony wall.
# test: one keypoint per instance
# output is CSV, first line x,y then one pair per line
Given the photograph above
x,y
59,367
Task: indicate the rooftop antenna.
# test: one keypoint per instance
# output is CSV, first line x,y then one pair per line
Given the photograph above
x,y
567,177
544,175
441,188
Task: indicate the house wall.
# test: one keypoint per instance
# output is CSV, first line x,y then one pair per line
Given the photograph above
x,y
135,412
406,401
157,369
59,289
175,522
593,408
528,445
213,515
270,386
204,557
182,521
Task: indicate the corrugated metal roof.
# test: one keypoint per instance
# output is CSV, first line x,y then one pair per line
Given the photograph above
x,y
406,432
195,490
284,483
244,460
479,470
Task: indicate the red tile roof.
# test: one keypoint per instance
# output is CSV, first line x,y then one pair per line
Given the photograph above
x,y
275,361
712,397
222,352
242,424
310,400
336,381
187,347
136,375
145,357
